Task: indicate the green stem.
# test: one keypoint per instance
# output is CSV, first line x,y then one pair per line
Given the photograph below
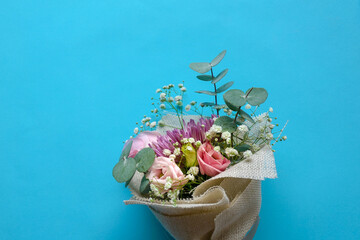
x,y
212,75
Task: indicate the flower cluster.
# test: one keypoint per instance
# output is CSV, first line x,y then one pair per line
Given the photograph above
x,y
176,161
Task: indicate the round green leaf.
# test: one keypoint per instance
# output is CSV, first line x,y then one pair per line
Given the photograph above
x,y
144,185
206,92
220,76
218,58
224,87
226,123
201,67
126,151
206,104
145,158
124,170
234,99
246,116
256,96
205,77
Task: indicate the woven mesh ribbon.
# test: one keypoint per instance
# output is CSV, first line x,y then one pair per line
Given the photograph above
x,y
223,207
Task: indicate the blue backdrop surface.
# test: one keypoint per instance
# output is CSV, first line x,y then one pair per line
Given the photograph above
x,y
76,75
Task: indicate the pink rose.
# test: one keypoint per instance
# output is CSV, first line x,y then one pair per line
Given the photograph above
x,y
142,141
162,168
211,163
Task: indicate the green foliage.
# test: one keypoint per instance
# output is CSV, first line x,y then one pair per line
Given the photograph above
x,y
207,104
242,147
220,76
218,59
224,87
234,99
124,170
256,96
126,150
227,124
205,77
144,185
201,67
246,116
144,159
207,92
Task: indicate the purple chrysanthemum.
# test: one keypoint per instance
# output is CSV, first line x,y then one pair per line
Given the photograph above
x,y
191,130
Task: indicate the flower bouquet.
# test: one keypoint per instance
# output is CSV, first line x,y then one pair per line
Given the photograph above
x,y
198,167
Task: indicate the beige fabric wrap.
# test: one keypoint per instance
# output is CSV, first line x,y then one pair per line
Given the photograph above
x,y
223,207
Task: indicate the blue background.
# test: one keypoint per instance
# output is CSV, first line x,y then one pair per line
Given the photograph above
x,y
76,75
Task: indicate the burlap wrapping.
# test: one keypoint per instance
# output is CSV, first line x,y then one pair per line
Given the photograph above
x,y
223,207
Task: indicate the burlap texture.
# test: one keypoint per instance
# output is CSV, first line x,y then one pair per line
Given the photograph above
x,y
223,207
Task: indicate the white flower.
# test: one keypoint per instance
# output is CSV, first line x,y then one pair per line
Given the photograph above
x,y
269,136
162,95
147,124
165,87
178,98
243,129
158,90
155,190
179,103
168,183
183,89
231,152
255,147
141,126
184,140
198,143
284,137
166,152
228,141
162,106
170,99
136,130
180,85
161,123
271,109
190,177
247,154
153,124
229,112
225,135
172,157
177,151
193,170
188,107
216,128
191,140
192,103
217,149
189,148
269,119
271,126
247,106
171,85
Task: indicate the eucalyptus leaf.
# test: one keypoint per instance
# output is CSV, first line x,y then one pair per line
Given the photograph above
x,y
256,96
205,77
144,158
126,151
219,106
224,87
201,67
144,185
242,148
206,104
218,58
124,170
234,99
220,76
207,92
226,123
246,116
